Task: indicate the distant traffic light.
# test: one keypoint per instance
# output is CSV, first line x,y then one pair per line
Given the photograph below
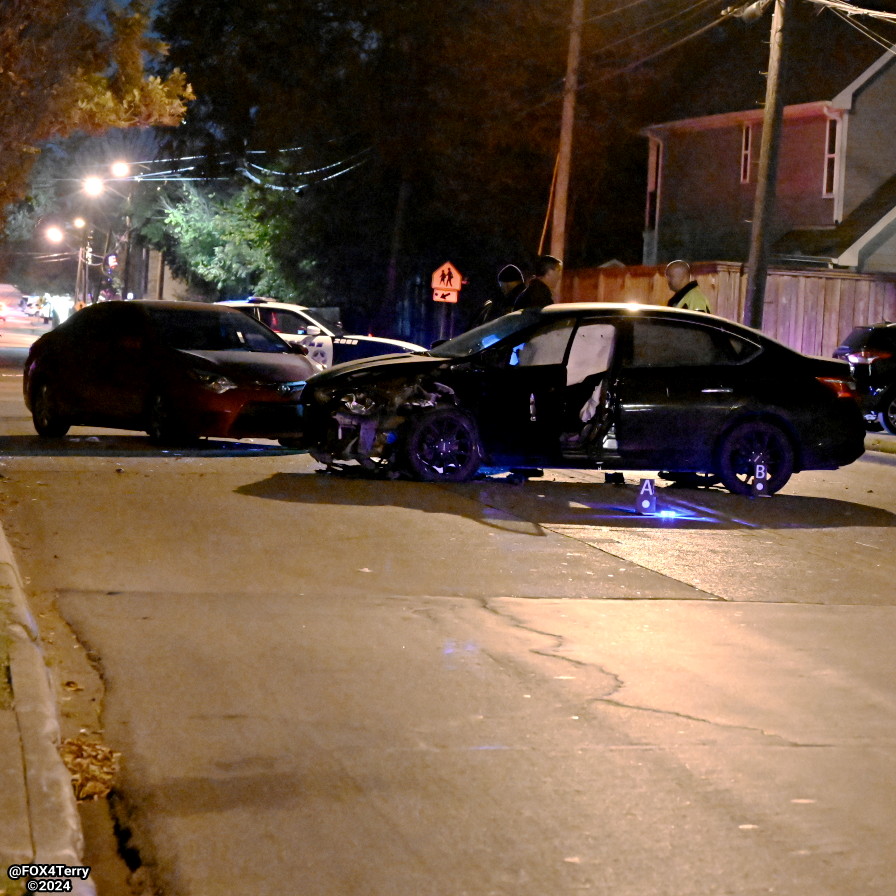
x,y
110,263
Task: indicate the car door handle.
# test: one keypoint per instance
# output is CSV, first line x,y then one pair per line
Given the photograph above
x,y
727,390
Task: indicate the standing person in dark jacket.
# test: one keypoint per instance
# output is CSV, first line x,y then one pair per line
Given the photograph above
x,y
510,282
540,291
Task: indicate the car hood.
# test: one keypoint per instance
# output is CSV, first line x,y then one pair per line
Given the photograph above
x,y
272,366
375,368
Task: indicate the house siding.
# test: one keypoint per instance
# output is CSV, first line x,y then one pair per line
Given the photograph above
x,y
709,215
799,199
705,216
869,145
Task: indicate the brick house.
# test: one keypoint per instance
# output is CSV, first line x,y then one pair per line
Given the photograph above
x,y
836,188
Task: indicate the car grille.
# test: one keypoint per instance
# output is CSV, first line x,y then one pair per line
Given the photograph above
x,y
287,390
264,418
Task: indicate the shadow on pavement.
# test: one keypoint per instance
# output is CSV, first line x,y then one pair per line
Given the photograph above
x,y
132,445
546,503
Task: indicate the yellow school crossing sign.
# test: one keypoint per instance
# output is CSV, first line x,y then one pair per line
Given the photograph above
x,y
446,283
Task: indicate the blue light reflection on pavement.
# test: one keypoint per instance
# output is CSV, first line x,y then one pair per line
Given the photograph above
x,y
666,515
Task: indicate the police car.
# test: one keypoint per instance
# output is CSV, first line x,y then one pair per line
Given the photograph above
x,y
326,344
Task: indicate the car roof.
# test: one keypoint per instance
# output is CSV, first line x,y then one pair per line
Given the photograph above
x,y
641,308
171,303
629,307
260,300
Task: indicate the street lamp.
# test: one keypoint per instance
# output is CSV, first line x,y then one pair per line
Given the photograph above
x,y
93,185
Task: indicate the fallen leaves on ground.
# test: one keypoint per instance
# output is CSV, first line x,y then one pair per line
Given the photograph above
x,y
93,767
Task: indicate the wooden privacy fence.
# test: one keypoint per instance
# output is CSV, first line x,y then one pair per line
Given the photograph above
x,y
810,311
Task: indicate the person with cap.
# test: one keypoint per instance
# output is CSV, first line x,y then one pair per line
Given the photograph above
x,y
511,284
687,294
540,290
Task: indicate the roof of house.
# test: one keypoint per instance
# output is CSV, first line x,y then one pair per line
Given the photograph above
x,y
831,243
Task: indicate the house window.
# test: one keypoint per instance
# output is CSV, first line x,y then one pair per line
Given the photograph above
x,y
830,158
746,153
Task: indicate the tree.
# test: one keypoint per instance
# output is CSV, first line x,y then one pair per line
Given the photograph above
x,y
76,65
220,244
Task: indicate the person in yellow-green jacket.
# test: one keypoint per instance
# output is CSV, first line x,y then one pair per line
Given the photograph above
x,y
687,294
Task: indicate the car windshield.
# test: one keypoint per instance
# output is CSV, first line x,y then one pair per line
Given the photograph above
x,y
487,335
194,329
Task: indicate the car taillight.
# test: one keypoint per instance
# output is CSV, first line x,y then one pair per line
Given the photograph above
x,y
867,356
841,388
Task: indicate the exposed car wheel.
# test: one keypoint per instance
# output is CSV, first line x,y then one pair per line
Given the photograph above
x,y
163,426
48,420
751,443
887,413
443,446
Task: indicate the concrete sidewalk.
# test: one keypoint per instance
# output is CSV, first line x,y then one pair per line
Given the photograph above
x,y
39,820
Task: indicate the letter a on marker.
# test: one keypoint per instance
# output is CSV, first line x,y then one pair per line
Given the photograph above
x,y
646,497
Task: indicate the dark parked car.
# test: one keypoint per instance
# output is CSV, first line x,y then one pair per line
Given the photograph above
x,y
871,353
327,344
177,370
613,386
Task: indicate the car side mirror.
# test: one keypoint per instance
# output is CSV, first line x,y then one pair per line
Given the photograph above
x,y
298,348
437,342
313,331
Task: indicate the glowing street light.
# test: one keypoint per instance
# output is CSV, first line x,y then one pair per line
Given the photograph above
x,y
54,234
93,185
120,169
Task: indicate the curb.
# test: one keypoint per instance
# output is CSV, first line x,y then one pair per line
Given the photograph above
x,y
56,834
880,442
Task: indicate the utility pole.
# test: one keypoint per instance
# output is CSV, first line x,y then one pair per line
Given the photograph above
x,y
564,152
766,177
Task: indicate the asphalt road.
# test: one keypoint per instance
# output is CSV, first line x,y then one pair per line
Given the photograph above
x,y
326,686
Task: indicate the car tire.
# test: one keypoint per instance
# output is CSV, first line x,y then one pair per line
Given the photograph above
x,y
443,446
887,414
750,443
162,424
49,423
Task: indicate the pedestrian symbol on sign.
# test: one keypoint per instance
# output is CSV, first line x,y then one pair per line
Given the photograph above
x,y
446,283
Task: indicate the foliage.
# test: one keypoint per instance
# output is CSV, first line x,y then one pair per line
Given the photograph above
x,y
397,134
221,246
76,65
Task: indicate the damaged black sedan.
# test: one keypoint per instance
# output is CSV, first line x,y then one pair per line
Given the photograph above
x,y
618,387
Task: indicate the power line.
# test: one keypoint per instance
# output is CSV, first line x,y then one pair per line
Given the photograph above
x,y
632,65
687,13
611,12
851,10
659,52
865,31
